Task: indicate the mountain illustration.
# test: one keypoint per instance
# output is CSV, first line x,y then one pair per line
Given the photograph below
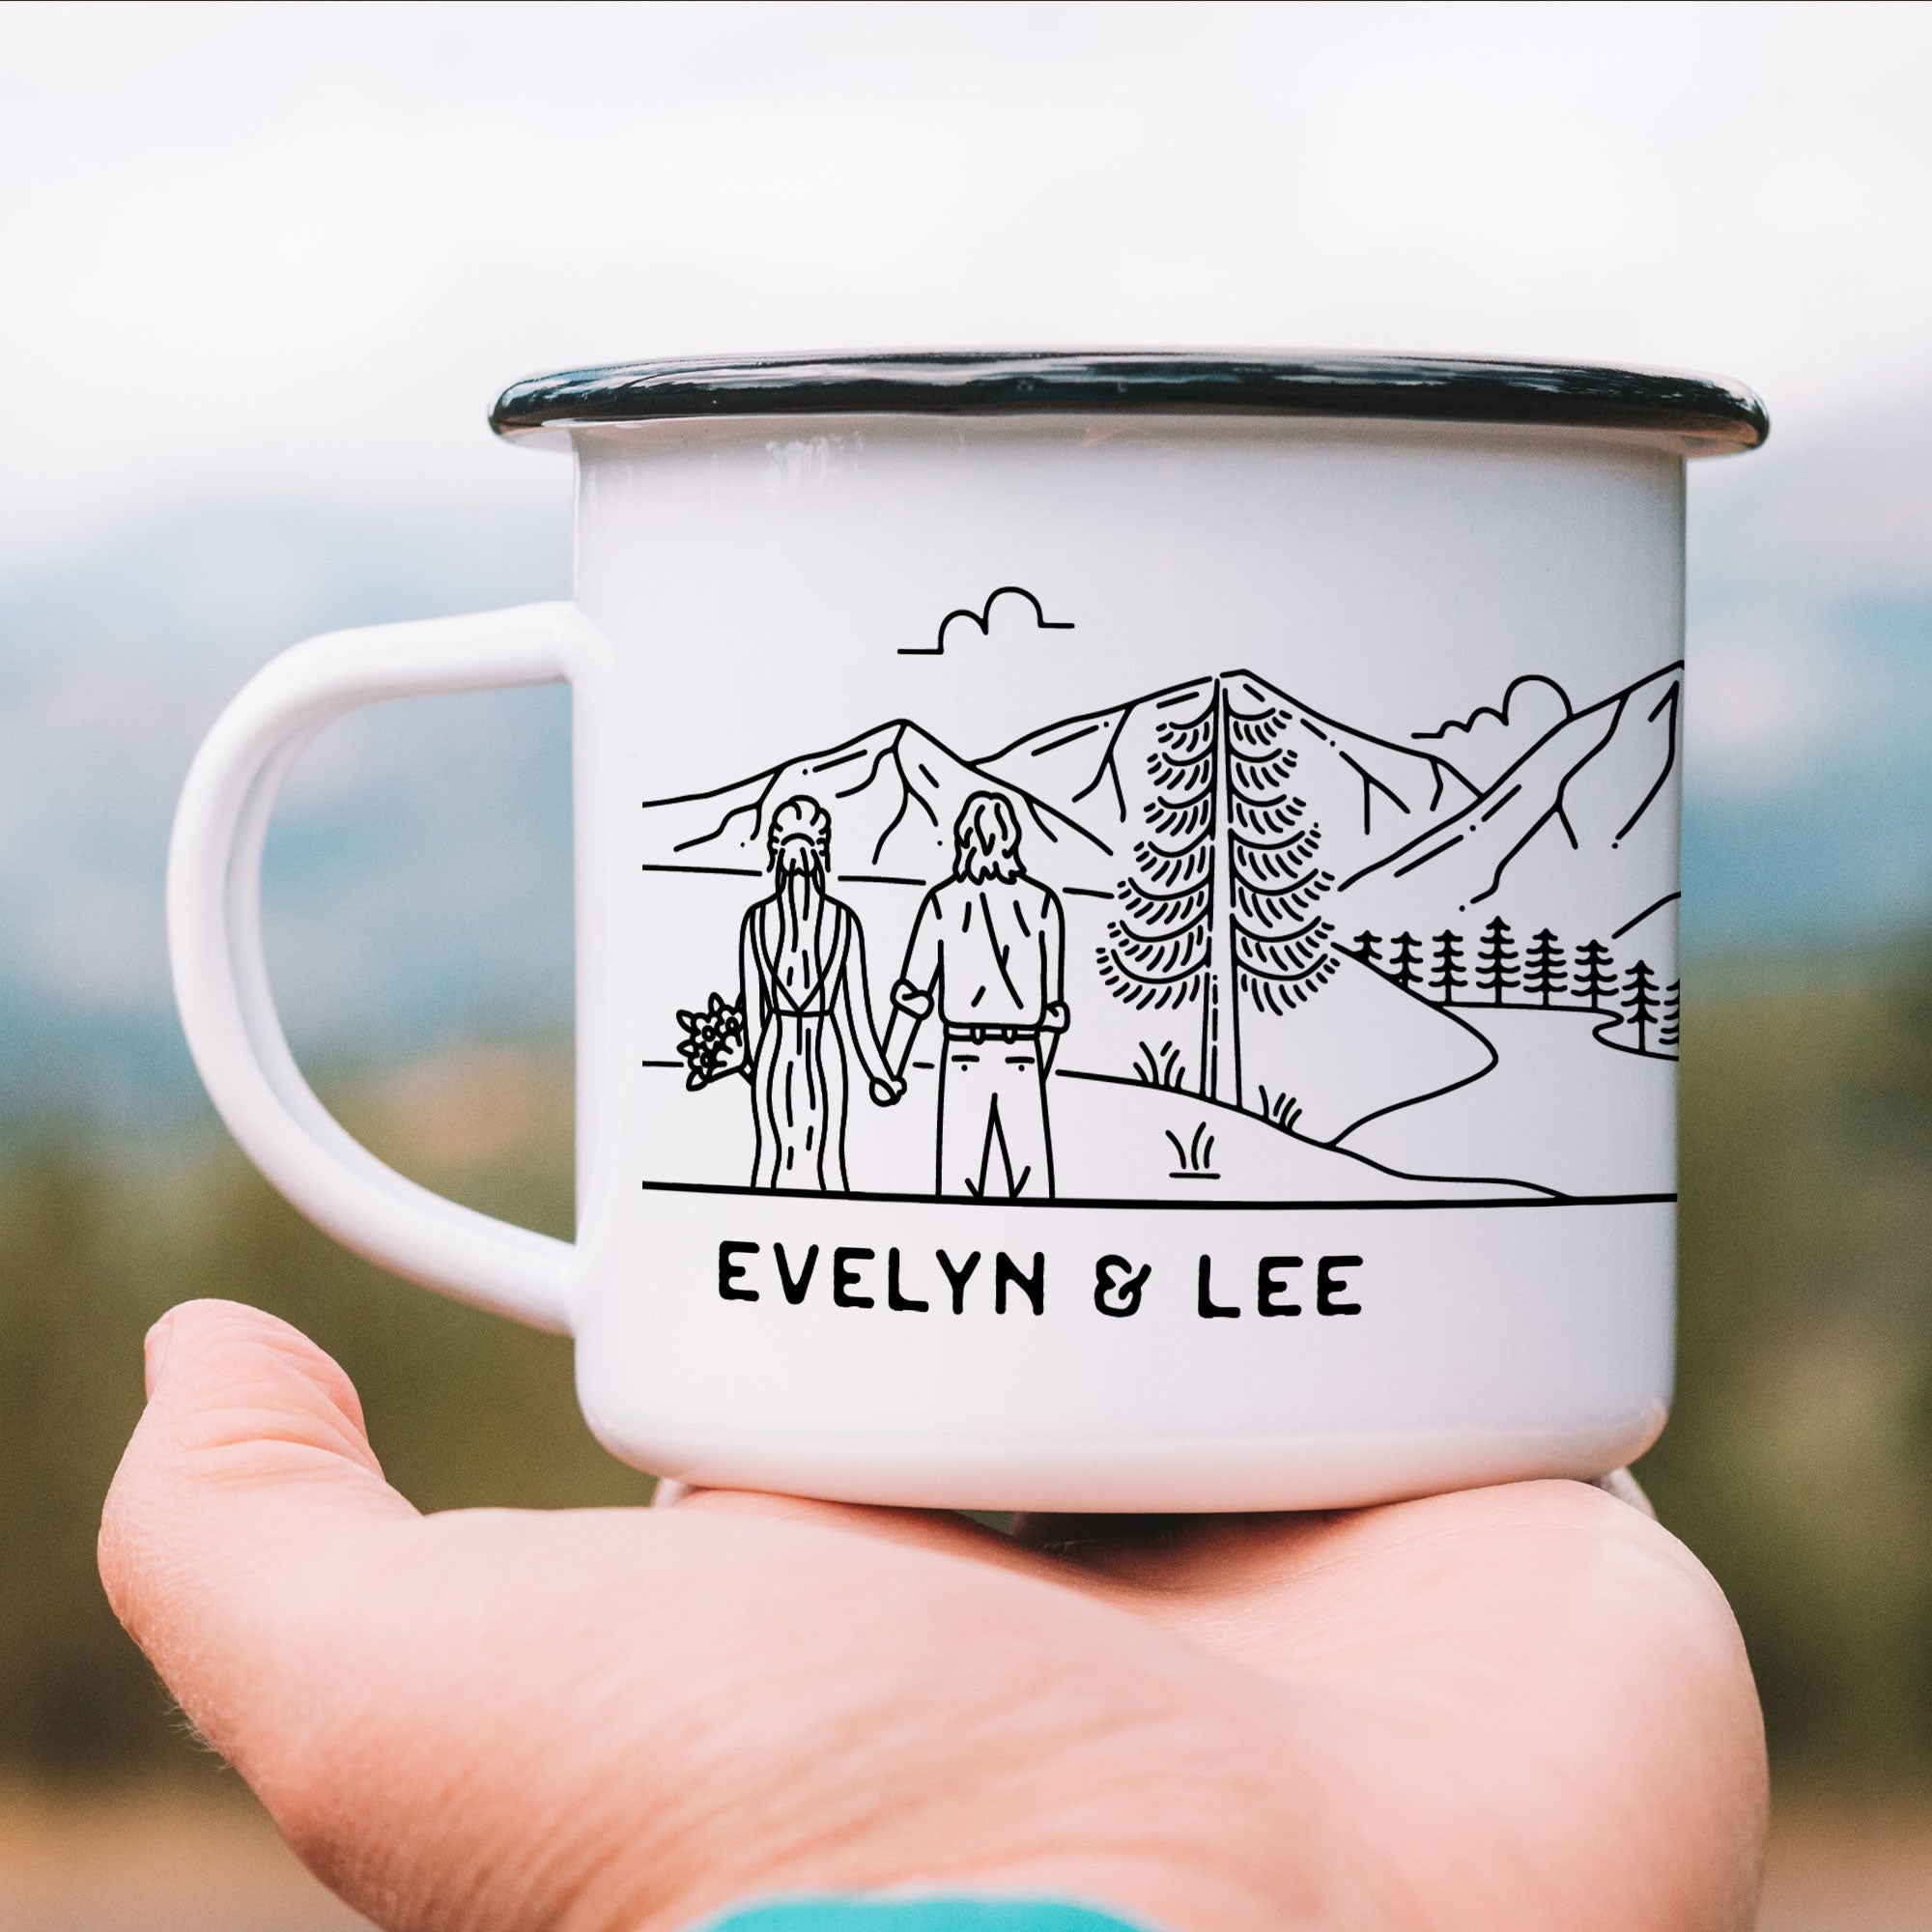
x,y
894,794
1577,834
1369,795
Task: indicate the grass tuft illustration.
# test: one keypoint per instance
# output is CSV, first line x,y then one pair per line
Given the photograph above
x,y
1161,1069
1195,1161
1283,1109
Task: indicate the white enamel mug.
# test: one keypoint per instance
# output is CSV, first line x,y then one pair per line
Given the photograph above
x,y
1125,922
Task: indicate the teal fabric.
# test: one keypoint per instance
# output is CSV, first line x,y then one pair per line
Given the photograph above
x,y
920,1915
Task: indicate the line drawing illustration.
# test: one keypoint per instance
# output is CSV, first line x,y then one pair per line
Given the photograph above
x,y
1491,736
986,957
982,620
1202,945
803,1004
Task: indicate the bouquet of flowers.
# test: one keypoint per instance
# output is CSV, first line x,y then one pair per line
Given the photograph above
x,y
714,1042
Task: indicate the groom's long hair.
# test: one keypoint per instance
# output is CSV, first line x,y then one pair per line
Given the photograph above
x,y
986,839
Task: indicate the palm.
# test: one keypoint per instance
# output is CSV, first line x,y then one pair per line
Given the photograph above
x,y
1513,1707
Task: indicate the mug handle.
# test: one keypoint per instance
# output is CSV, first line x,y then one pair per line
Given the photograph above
x,y
221,979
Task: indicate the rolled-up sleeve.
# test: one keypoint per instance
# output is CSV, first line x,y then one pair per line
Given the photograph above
x,y
912,994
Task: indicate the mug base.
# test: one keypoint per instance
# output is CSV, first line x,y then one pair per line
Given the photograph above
x,y
1182,1478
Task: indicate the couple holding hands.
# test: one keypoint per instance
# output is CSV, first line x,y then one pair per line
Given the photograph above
x,y
987,954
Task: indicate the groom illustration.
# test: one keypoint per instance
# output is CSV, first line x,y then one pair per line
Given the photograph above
x,y
986,954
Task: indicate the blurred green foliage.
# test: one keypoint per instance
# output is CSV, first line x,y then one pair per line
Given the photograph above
x,y
1798,1462
463,1407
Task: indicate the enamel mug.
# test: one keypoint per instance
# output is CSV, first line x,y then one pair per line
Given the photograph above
x,y
1126,921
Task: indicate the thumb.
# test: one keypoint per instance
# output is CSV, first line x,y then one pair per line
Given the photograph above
x,y
248,1496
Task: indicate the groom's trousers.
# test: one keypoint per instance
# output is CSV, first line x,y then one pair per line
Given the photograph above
x,y
994,1140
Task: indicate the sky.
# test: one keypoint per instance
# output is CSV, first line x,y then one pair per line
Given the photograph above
x,y
266,267
303,246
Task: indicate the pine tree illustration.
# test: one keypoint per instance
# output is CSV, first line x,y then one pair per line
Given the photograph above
x,y
1407,957
1158,950
1593,976
1448,977
1667,1030
1220,907
1282,946
1496,961
1639,1000
1543,970
1367,947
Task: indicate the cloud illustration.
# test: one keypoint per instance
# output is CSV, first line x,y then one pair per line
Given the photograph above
x,y
1484,744
1013,608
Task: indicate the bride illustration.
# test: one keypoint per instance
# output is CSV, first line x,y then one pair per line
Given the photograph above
x,y
802,972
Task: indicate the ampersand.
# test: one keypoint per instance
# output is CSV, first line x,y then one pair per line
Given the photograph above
x,y
1117,1285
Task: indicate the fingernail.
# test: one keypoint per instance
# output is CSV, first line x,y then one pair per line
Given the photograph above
x,y
155,1350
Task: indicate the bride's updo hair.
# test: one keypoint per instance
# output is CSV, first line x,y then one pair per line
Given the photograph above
x,y
800,839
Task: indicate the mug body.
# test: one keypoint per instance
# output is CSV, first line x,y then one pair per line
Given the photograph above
x,y
1127,959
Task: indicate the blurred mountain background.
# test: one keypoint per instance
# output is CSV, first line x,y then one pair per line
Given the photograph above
x,y
267,269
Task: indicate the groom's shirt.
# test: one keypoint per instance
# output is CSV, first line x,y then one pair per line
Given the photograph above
x,y
995,952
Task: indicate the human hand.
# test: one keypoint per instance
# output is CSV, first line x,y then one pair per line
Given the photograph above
x,y
1522,1707
888,1093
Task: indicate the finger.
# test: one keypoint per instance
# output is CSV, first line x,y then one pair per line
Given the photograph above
x,y
1597,1690
248,1478
1536,1652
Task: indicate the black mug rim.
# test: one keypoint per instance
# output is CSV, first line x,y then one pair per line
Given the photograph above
x,y
1707,415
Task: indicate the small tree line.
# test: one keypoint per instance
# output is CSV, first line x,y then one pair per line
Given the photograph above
x,y
1496,969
